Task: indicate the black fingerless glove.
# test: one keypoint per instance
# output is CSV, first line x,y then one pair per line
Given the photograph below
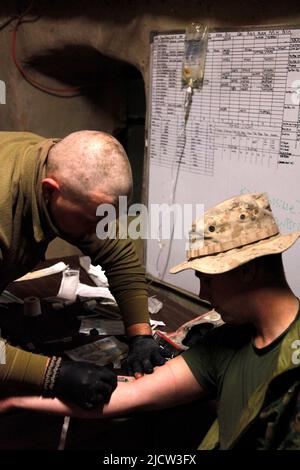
x,y
82,383
144,354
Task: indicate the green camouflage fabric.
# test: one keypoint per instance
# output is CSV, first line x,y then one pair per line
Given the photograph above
x,y
271,419
277,425
233,233
292,439
282,420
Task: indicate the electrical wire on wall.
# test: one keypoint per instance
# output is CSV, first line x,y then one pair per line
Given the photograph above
x,y
195,46
68,92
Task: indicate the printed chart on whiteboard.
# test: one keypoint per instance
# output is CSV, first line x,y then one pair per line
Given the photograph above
x,y
242,133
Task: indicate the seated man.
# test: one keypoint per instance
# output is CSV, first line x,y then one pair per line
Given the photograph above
x,y
250,364
50,188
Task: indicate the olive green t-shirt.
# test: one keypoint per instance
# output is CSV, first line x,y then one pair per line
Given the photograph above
x,y
230,367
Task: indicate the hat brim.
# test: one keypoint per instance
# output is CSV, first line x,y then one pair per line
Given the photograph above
x,y
228,260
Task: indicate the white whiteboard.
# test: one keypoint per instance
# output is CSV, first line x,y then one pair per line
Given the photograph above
x,y
243,133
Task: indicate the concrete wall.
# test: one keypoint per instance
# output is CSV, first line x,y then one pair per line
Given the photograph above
x,y
64,44
68,37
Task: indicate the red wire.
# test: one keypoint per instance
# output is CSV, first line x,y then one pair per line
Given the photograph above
x,y
64,91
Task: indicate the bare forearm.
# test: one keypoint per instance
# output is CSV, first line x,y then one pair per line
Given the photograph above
x,y
139,329
123,401
168,386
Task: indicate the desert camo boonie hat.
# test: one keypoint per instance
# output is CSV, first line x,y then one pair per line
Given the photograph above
x,y
234,232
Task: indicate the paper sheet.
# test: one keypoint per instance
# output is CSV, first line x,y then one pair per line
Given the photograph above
x,y
94,292
96,273
155,323
154,305
56,268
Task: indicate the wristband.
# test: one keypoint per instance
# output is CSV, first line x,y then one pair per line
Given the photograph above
x,y
51,375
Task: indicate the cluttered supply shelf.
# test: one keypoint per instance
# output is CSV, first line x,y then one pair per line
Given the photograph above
x,y
73,330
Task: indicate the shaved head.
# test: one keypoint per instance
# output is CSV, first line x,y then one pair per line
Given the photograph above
x,y
85,162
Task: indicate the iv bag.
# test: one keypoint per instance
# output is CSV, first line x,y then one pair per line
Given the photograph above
x,y
195,45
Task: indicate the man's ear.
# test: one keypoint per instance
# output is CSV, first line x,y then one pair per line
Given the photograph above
x,y
49,186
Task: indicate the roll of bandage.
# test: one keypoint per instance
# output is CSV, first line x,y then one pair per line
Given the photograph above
x,y
32,306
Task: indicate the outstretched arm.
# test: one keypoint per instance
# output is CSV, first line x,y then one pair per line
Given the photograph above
x,y
170,385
